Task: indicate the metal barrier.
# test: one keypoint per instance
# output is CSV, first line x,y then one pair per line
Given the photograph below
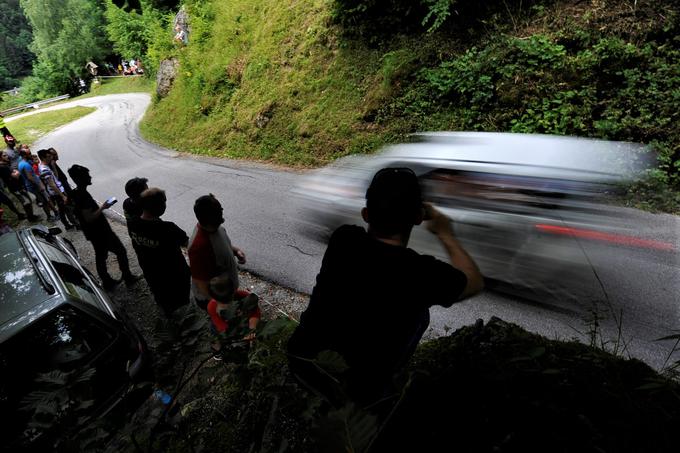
x,y
34,105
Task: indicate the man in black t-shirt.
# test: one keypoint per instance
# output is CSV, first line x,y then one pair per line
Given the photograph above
x,y
97,229
372,295
158,246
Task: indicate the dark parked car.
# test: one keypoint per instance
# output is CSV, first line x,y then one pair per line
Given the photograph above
x,y
67,354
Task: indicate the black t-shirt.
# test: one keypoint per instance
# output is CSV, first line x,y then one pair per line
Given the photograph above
x,y
371,299
157,244
99,227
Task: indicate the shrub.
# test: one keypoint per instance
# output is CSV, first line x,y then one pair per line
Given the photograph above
x,y
609,89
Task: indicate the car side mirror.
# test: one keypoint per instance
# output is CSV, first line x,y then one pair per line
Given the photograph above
x,y
54,231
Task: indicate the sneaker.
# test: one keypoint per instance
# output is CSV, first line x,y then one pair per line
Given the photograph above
x,y
111,284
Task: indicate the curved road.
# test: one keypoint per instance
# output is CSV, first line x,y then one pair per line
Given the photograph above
x,y
266,222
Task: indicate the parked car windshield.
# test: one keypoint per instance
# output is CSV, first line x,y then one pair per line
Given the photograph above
x,y
20,285
75,282
47,369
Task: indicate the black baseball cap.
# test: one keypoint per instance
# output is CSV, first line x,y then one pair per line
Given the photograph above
x,y
135,187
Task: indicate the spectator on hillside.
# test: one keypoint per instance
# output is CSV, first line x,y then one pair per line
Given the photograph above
x,y
34,185
181,35
54,188
97,229
131,206
158,245
372,295
210,250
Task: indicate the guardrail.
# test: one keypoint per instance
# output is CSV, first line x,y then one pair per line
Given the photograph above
x,y
34,105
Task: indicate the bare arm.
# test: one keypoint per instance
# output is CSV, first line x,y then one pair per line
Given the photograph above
x,y
238,253
55,189
440,225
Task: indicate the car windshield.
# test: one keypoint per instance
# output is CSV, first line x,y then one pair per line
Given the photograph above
x,y
48,366
20,288
75,282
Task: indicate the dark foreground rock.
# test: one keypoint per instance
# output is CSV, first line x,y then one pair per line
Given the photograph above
x,y
498,388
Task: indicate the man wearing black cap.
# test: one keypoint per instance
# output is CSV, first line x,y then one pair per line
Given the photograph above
x,y
372,295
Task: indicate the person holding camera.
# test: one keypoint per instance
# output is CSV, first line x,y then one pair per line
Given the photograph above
x,y
372,295
97,229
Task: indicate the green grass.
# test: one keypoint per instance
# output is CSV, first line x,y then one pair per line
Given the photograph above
x,y
290,71
31,128
120,85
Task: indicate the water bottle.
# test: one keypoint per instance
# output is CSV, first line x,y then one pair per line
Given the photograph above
x,y
163,397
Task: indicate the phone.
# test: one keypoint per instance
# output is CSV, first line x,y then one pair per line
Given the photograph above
x,y
111,201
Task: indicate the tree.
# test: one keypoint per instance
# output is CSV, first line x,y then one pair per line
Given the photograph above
x,y
66,35
15,37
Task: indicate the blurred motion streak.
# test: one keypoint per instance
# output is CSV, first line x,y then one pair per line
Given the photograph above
x,y
520,204
614,238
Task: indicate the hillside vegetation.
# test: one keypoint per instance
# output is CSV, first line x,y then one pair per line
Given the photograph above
x,y
304,82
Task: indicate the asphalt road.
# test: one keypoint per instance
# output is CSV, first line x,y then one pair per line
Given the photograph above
x,y
263,219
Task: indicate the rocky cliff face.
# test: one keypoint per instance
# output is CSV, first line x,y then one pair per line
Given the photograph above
x,y
167,71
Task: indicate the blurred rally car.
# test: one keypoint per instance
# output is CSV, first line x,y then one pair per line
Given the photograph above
x,y
67,354
524,206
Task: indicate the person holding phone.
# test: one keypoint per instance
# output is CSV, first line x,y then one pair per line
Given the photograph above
x,y
97,229
372,295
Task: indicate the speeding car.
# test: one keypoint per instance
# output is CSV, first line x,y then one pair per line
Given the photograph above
x,y
526,207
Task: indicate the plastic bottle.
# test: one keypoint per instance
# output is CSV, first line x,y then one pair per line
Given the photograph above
x,y
163,397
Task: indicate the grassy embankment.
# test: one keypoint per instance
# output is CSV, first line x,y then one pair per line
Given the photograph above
x,y
282,82
32,127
